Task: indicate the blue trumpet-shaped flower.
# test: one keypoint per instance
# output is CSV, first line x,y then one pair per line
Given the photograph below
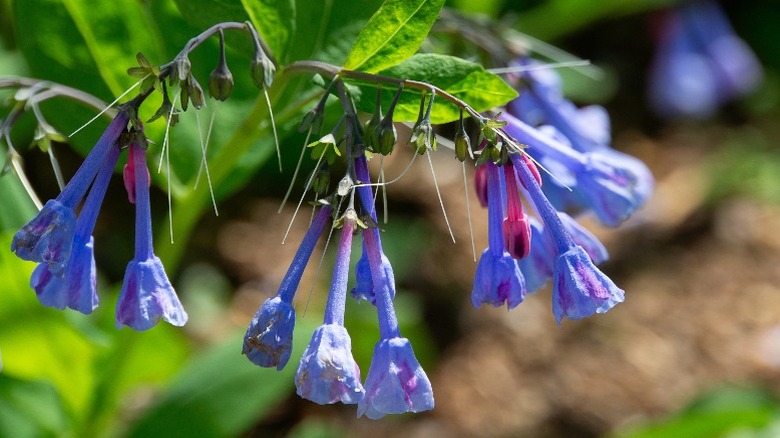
x,y
268,339
146,295
328,373
579,288
700,63
364,286
77,289
537,266
396,383
48,237
498,279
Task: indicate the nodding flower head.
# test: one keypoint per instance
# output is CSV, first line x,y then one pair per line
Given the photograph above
x,y
498,279
700,63
579,288
48,237
364,286
328,373
146,295
396,383
268,340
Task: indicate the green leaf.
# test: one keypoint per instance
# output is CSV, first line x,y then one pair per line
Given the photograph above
x,y
221,393
393,34
463,79
275,20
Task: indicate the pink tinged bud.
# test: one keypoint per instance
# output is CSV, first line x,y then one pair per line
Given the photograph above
x,y
480,185
517,236
128,176
532,167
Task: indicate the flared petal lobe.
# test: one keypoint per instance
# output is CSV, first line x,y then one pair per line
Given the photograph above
x,y
148,296
579,288
268,340
327,372
48,237
396,383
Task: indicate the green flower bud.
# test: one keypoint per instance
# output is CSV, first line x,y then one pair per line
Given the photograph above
x,y
462,144
221,82
196,93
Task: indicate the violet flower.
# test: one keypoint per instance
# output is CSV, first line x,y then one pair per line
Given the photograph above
x,y
77,289
268,339
327,372
146,295
498,279
48,237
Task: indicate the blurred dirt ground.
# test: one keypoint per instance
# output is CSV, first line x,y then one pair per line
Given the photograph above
x,y
702,309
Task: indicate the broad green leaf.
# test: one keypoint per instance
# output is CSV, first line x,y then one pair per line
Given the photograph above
x,y
114,32
275,20
30,408
393,34
221,393
463,79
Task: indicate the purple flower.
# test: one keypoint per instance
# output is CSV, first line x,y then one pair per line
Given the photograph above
x,y
396,383
147,295
700,63
77,288
268,339
364,286
48,237
579,288
537,266
328,373
498,279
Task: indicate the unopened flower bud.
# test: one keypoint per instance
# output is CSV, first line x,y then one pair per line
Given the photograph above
x,y
221,82
183,68
386,136
196,93
263,70
312,120
462,144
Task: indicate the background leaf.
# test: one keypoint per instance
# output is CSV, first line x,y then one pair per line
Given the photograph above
x,y
393,34
463,79
275,20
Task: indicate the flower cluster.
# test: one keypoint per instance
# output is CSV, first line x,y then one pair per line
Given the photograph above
x,y
327,372
700,63
585,175
60,240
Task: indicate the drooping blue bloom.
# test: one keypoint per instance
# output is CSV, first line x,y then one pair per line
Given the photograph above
x,y
48,237
537,266
700,63
146,295
611,184
498,279
364,287
268,339
579,288
327,372
77,289
396,383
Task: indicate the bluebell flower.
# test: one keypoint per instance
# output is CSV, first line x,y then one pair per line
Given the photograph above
x,y
498,279
700,63
537,266
268,339
580,289
77,289
396,383
328,373
48,237
146,295
609,183
365,286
